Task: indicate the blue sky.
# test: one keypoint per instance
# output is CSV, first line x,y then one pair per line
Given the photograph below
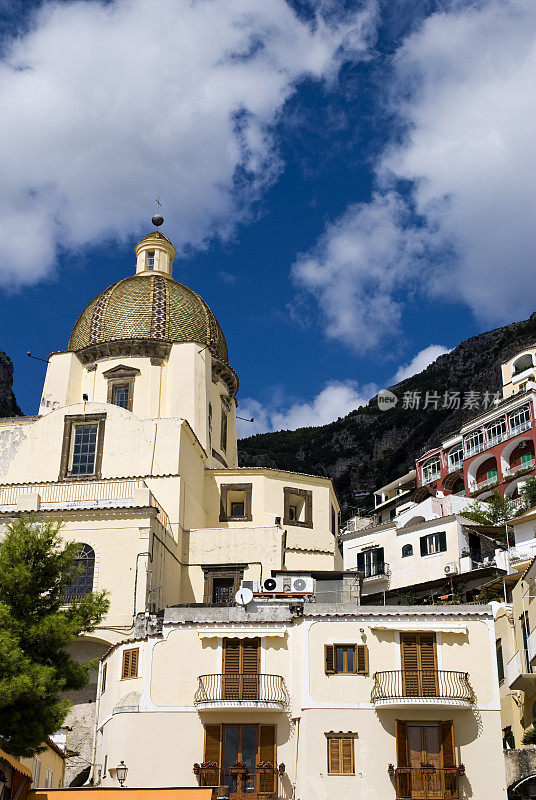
x,y
350,184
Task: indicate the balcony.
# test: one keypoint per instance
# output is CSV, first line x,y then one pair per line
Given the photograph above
x,y
241,691
427,687
473,450
521,428
427,782
513,471
479,486
375,571
430,476
519,673
245,784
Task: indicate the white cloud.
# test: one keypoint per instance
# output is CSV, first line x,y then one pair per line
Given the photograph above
x,y
465,96
422,360
335,400
105,105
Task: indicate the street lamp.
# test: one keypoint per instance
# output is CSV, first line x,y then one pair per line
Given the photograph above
x,y
121,772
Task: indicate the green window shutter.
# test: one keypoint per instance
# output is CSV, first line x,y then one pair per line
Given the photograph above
x,y
424,546
442,541
491,474
526,459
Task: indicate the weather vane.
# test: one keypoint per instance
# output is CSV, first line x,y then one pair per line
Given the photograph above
x,y
158,219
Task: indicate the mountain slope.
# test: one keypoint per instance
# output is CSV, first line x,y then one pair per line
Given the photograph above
x,y
8,404
370,447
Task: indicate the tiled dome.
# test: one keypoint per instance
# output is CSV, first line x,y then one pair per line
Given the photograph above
x,y
151,307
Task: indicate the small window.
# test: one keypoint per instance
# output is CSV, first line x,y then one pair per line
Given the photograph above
x,y
84,449
433,543
341,755
500,660
120,395
346,659
48,779
297,507
223,591
223,430
237,509
509,742
85,566
36,771
103,679
235,503
407,550
150,259
130,663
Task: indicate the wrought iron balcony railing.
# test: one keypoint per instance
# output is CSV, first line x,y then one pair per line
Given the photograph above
x,y
402,684
427,782
244,689
249,783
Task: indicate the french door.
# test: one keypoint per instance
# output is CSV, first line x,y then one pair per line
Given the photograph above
x,y
238,750
419,665
426,761
241,669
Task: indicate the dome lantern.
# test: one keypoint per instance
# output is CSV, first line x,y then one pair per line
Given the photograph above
x,y
155,253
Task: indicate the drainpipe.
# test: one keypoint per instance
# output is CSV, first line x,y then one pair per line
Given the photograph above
x,y
295,782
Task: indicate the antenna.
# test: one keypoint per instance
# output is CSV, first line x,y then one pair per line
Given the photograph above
x,y
45,360
246,419
158,219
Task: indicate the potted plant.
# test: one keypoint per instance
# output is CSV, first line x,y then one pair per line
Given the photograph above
x,y
265,766
282,768
197,768
461,769
529,737
391,771
239,768
208,766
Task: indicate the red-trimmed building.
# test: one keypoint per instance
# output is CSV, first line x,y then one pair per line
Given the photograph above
x,y
496,449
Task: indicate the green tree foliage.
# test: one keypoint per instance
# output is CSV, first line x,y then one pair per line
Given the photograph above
x,y
495,510
36,625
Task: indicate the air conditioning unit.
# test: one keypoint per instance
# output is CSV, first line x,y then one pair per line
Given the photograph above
x,y
273,584
451,569
253,585
303,584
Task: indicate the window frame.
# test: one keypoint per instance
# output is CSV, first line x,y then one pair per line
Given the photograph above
x,y
130,676
431,469
70,422
86,555
307,494
225,509
150,254
500,660
357,648
227,571
340,738
522,416
442,540
407,554
103,677
121,376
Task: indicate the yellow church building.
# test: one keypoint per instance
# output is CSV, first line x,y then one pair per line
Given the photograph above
x,y
235,653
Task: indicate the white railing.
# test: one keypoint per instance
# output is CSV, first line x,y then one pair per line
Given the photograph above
x,y
516,667
455,465
520,468
66,492
491,441
497,439
475,487
431,477
521,428
475,449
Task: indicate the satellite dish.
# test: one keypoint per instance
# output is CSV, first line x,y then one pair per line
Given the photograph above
x,y
270,584
244,596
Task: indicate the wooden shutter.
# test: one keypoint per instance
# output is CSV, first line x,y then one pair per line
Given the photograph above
x,y
361,562
380,555
427,658
249,667
361,659
329,659
334,761
424,547
446,732
103,679
442,541
403,774
267,752
347,755
212,753
130,663
231,669
410,664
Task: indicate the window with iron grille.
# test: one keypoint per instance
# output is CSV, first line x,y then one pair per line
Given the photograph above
x,y
120,395
85,565
84,449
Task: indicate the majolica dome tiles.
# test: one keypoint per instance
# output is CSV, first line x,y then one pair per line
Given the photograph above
x,y
153,307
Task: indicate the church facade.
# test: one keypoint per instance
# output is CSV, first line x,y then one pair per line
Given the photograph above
x,y
134,450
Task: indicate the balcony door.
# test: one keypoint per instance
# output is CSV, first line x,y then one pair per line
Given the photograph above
x,y
426,761
419,665
241,659
248,746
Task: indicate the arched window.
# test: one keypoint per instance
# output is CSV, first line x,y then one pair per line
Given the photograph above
x,y
83,583
407,550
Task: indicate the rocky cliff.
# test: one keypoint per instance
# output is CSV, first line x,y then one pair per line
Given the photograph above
x,y
371,447
8,404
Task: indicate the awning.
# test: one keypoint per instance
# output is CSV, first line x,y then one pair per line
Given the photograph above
x,y
240,633
421,627
13,762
